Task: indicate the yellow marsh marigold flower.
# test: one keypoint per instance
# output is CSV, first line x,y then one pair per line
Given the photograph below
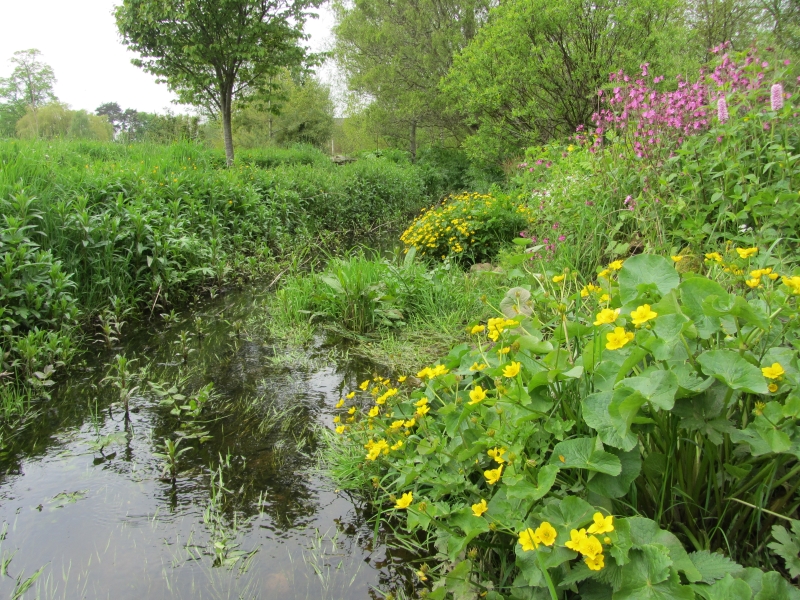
x,y
577,537
402,378
477,395
426,372
618,338
397,445
337,419
493,475
528,540
616,265
505,350
364,385
351,395
478,367
422,411
558,278
601,524
375,449
758,408
511,370
477,329
374,411
546,533
584,292
793,283
590,546
746,252
772,276
340,429
410,423
595,563
340,403
479,508
605,316
677,258
605,298
753,283
421,402
497,454
604,273
715,256
351,410
439,370
772,387
396,425
405,500
642,314
773,372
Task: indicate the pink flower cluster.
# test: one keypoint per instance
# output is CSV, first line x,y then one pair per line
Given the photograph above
x,y
656,122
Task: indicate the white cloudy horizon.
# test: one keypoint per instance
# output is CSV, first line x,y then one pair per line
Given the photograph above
x,y
79,40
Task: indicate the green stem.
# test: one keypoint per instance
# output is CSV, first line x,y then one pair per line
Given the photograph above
x,y
549,581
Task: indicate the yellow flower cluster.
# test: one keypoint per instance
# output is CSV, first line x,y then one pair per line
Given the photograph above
x,y
497,325
382,391
757,277
451,227
583,541
793,283
432,372
587,544
774,373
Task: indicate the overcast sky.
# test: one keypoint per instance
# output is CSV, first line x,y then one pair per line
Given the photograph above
x,y
79,40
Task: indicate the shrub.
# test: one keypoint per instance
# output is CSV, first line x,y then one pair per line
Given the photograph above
x,y
659,403
467,227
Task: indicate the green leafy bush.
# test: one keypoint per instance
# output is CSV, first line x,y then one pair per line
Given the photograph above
x,y
663,404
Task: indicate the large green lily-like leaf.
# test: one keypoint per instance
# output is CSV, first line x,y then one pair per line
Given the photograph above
x,y
646,272
733,370
585,453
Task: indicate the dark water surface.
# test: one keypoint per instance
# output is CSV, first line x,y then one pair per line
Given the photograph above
x,y
84,498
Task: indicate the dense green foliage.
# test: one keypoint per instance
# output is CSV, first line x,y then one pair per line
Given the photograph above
x,y
676,395
532,72
90,228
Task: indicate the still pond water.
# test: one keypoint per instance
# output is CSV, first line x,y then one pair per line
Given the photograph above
x,y
86,498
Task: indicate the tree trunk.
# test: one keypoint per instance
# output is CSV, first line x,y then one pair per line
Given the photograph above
x,y
413,141
226,130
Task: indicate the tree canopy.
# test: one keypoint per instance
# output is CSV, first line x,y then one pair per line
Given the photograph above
x,y
532,73
394,52
29,86
213,53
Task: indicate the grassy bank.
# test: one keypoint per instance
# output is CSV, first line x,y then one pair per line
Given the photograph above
x,y
94,233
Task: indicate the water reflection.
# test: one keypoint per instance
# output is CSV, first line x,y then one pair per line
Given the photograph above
x,y
85,496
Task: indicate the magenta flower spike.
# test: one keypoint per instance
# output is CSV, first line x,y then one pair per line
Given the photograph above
x,y
722,109
776,96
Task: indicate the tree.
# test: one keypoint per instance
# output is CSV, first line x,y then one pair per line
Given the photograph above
x,y
395,52
302,112
533,71
29,87
213,53
50,121
86,126
113,112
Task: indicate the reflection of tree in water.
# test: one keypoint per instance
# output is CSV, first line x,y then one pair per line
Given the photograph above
x,y
261,421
